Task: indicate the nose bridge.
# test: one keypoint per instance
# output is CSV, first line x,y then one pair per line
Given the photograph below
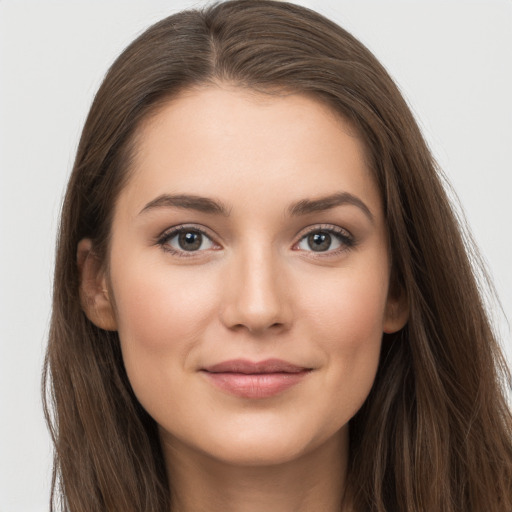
x,y
255,291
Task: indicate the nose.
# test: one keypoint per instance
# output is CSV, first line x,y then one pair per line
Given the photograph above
x,y
256,295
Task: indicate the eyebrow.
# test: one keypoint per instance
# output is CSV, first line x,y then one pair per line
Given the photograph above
x,y
188,202
299,208
306,206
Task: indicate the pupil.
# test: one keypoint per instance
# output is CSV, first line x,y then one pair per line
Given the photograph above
x,y
190,241
319,241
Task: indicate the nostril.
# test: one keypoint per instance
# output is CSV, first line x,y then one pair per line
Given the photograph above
x,y
253,299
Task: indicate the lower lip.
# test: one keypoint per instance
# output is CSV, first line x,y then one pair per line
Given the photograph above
x,y
255,385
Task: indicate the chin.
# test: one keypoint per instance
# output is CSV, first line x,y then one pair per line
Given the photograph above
x,y
260,452
258,445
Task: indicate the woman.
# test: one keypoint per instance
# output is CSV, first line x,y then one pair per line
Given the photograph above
x,y
262,297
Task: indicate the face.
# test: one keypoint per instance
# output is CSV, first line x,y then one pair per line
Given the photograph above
x,y
249,275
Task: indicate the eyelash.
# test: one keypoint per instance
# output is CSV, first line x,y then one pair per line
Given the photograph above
x,y
163,240
346,240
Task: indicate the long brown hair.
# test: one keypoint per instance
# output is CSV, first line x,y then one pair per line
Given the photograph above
x,y
435,431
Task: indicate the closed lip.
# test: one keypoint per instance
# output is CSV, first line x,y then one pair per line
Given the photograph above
x,y
255,380
251,368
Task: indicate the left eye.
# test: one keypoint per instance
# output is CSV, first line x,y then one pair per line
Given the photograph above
x,y
323,241
189,240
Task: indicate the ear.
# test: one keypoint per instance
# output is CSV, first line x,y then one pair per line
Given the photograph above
x,y
397,311
94,295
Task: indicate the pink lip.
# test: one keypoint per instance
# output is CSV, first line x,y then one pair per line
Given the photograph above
x,y
248,379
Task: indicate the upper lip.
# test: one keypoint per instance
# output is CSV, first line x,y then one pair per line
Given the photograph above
x,y
250,367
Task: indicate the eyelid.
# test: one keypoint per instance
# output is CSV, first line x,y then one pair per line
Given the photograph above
x,y
170,233
345,237
182,227
333,228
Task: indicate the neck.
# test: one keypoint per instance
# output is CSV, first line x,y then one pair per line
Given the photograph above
x,y
314,481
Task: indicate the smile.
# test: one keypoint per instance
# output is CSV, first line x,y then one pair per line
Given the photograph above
x,y
247,379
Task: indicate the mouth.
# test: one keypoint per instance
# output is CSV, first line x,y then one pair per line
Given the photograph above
x,y
248,379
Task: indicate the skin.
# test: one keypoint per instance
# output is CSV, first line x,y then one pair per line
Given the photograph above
x,y
255,289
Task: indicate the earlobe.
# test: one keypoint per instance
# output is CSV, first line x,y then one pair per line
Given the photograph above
x,y
397,313
94,295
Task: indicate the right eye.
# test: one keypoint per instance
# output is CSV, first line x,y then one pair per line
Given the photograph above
x,y
183,240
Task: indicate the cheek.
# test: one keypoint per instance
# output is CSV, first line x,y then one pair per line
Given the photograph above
x,y
346,318
157,307
349,308
162,314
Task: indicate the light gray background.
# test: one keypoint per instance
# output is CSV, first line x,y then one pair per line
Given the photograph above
x,y
451,58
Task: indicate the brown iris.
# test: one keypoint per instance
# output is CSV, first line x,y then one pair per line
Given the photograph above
x,y
320,241
190,240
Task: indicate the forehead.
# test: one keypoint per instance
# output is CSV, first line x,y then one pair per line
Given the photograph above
x,y
247,145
